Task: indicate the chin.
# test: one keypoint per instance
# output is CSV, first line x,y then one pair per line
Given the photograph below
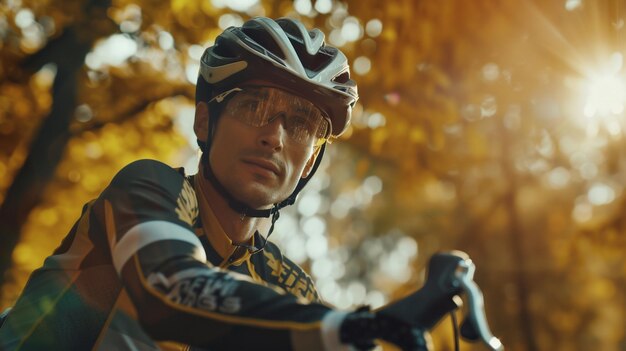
x,y
261,195
257,199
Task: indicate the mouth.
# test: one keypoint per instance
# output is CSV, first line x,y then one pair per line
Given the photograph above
x,y
263,164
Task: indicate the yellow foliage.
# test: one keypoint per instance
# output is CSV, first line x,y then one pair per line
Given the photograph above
x,y
455,173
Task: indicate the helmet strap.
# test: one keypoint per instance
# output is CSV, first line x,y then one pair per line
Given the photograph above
x,y
292,198
254,249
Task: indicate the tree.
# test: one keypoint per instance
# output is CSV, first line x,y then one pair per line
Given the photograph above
x,y
465,137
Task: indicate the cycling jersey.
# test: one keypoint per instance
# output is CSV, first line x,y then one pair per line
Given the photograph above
x,y
147,261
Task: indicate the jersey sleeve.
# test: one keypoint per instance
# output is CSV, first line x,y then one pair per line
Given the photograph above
x,y
149,210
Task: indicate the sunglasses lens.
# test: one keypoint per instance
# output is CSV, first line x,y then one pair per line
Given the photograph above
x,y
259,106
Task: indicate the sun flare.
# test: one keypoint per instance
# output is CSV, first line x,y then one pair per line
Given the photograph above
x,y
606,95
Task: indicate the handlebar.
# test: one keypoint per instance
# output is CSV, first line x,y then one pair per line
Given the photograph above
x,y
451,274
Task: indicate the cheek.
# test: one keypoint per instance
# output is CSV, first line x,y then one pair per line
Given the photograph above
x,y
299,162
221,146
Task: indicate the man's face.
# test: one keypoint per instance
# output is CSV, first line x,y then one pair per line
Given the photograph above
x,y
259,165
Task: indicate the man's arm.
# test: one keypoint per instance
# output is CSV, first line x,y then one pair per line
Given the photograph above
x,y
177,294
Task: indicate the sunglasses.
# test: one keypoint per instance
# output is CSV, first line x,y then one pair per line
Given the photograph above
x,y
303,122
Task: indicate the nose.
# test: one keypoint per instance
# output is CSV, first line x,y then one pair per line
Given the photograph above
x,y
273,134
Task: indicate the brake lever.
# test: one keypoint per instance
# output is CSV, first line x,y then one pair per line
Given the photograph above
x,y
475,326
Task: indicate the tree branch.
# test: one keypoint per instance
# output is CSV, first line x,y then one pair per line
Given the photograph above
x,y
131,113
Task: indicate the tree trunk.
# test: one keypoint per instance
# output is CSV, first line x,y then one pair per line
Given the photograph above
x,y
68,52
517,244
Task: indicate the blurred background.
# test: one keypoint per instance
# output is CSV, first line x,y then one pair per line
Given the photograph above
x,y
492,127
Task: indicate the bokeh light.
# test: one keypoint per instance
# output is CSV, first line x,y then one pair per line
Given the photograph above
x,y
112,51
230,20
323,6
362,65
374,27
236,5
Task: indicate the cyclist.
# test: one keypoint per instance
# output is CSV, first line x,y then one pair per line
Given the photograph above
x,y
162,260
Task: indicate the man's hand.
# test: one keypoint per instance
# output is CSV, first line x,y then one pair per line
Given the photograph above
x,y
361,327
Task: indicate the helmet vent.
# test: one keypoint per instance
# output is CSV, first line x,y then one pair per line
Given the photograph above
x,y
264,40
223,51
342,78
313,64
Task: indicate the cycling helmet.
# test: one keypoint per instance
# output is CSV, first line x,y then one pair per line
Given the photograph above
x,y
284,54
281,54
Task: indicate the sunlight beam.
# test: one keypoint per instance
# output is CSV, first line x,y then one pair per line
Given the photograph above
x,y
606,91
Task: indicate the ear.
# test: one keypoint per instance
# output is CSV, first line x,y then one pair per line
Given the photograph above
x,y
201,121
309,164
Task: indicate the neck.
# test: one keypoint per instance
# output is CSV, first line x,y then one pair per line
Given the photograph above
x,y
238,228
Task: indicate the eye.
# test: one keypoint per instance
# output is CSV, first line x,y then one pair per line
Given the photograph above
x,y
248,105
299,121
